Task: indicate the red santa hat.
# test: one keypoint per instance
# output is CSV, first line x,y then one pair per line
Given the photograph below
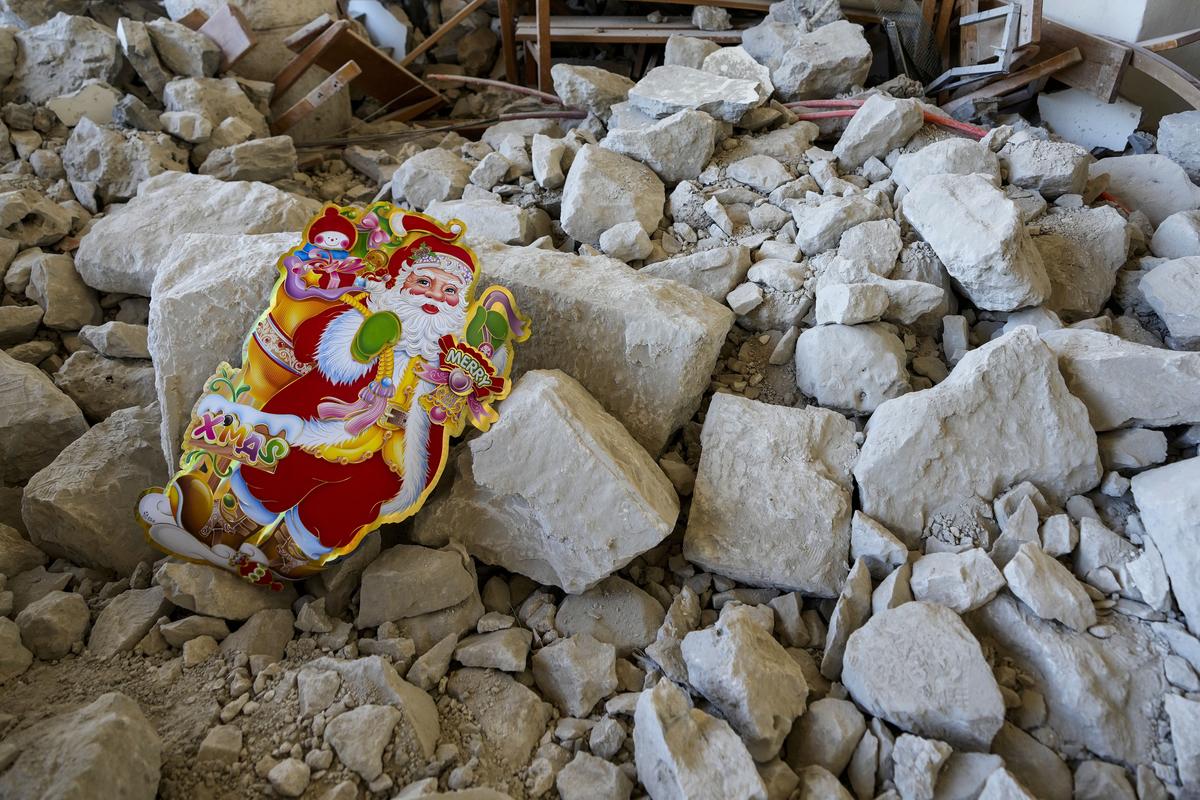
x,y
435,247
331,220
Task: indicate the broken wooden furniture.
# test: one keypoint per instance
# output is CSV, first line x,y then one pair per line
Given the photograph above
x,y
543,30
228,28
333,45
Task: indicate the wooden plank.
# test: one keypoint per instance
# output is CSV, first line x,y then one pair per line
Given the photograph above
x,y
300,38
1104,60
761,6
294,69
630,30
1030,31
545,82
381,77
1017,80
942,33
929,12
1169,74
508,40
442,30
320,94
230,29
193,19
1171,41
968,39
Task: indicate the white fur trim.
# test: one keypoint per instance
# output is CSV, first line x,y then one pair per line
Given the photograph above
x,y
302,536
416,455
251,506
333,350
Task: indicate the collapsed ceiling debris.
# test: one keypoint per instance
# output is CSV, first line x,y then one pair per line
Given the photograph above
x,y
854,454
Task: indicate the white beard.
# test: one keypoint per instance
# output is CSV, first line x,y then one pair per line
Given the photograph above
x,y
420,331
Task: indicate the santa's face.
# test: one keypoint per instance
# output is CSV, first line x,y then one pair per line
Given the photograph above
x,y
429,305
439,286
332,240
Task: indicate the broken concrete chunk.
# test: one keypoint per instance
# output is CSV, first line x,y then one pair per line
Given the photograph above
x,y
959,581
37,421
1051,168
851,367
749,677
830,60
677,147
1011,378
60,55
216,99
849,613
77,507
216,593
592,89
688,51
918,667
736,509
575,673
1185,733
175,203
429,176
1153,184
954,156
490,219
407,581
916,765
715,271
1173,291
669,334
556,530
1168,500
1108,374
850,303
1083,250
191,328
671,88
978,234
879,126
267,160
108,742
820,224
1178,236
604,188
1177,140
613,611
826,736
1049,588
682,752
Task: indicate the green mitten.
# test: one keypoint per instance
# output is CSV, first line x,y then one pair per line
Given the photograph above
x,y
378,331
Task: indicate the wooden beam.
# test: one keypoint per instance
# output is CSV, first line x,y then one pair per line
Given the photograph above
x,y
300,37
761,6
929,12
442,30
335,83
294,69
1104,60
1017,80
1169,74
508,40
968,37
1171,41
628,30
545,81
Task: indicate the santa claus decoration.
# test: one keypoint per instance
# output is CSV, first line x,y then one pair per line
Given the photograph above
x,y
371,354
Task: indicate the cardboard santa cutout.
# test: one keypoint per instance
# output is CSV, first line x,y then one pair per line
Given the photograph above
x,y
370,356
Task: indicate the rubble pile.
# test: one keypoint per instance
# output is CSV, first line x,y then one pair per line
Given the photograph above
x,y
858,460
